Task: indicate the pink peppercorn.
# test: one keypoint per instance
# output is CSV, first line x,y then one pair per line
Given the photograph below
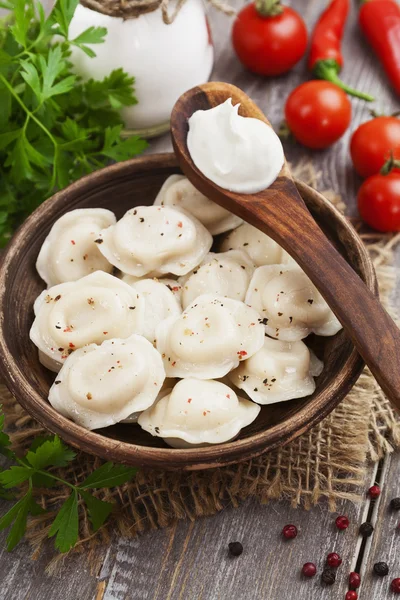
x,y
342,522
351,595
309,569
374,492
289,532
395,587
333,559
354,581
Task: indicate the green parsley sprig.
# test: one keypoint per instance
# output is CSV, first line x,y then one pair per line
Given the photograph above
x,y
32,471
54,127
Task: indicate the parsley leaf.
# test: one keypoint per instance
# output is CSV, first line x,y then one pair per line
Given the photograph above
x,y
118,149
92,35
8,137
5,442
51,69
66,524
116,89
98,510
17,517
5,494
14,476
109,475
52,452
61,16
47,452
21,22
30,75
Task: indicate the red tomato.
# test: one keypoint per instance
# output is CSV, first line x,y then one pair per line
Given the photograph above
x,y
318,113
379,202
372,142
269,45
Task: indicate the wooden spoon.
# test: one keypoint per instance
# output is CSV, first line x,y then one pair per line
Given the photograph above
x,y
280,212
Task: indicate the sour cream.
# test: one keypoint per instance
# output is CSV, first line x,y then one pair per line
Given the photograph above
x,y
240,154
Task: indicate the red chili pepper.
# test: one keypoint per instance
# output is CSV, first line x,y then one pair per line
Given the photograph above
x,y
326,59
380,23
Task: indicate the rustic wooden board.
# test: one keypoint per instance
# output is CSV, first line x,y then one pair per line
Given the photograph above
x,y
25,579
385,543
189,562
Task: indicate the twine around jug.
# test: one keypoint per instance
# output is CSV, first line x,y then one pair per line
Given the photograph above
x,y
132,9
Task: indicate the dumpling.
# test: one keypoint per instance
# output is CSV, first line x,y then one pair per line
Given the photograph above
x,y
262,249
290,304
102,385
210,338
198,413
278,371
130,279
155,240
226,274
159,304
71,315
178,192
166,388
69,252
172,284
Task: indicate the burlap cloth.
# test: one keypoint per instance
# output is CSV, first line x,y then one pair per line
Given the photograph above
x,y
329,462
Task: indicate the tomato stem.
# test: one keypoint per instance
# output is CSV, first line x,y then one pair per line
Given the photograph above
x,y
375,114
328,69
284,131
390,164
268,8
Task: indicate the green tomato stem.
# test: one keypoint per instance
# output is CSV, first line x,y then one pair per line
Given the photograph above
x,y
328,70
268,8
390,164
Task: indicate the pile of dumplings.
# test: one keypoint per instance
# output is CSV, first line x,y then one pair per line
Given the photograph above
x,y
143,323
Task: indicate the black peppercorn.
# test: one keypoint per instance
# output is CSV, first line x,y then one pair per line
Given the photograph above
x,y
381,569
366,529
235,548
395,504
328,576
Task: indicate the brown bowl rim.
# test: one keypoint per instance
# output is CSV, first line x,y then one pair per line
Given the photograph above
x,y
156,457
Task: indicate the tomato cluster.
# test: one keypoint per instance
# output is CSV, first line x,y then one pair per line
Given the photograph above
x,y
375,152
269,40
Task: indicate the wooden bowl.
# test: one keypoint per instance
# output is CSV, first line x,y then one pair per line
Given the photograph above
x,y
118,188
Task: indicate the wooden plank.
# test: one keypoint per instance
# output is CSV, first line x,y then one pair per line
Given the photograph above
x,y
25,579
384,545
190,561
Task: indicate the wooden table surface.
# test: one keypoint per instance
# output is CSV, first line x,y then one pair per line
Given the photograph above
x,y
189,561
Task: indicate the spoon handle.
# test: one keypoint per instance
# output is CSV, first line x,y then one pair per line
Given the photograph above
x,y
373,332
